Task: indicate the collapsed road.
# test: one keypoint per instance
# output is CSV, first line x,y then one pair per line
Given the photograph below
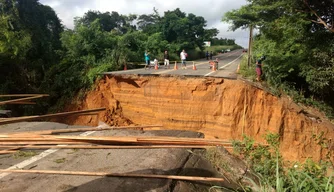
x,y
186,107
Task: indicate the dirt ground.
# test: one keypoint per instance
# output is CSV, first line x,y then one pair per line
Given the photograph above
x,y
217,107
185,107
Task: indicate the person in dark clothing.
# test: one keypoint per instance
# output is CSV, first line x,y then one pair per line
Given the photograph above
x,y
166,57
211,54
207,55
258,70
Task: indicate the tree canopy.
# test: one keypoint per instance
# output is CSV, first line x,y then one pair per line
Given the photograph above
x,y
38,54
29,38
297,38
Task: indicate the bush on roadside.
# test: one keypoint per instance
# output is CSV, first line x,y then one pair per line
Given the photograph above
x,y
275,173
245,71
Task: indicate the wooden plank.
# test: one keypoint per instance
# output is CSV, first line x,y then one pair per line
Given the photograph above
x,y
41,143
86,114
20,119
128,140
13,147
98,139
21,99
7,152
24,95
138,138
105,174
32,139
145,138
50,132
23,103
79,143
115,140
56,142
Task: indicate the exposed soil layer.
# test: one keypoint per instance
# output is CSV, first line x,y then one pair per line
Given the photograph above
x,y
217,107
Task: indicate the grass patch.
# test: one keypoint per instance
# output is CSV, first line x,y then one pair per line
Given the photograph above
x,y
298,97
268,171
73,151
62,160
245,71
21,154
216,159
268,163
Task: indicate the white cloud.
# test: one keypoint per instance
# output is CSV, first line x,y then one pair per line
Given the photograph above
x,y
211,10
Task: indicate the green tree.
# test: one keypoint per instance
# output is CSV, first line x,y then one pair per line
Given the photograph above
x,y
150,23
187,30
13,41
134,45
296,36
156,45
29,37
108,21
38,55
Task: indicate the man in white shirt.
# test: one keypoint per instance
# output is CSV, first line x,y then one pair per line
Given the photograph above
x,y
166,57
183,56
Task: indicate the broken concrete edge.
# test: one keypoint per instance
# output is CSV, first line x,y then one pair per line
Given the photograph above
x,y
197,159
162,75
5,113
237,177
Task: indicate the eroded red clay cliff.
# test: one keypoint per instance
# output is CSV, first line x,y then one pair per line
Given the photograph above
x,y
219,108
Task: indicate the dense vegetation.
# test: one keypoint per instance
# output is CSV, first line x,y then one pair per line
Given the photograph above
x,y
39,55
297,38
273,173
222,41
266,170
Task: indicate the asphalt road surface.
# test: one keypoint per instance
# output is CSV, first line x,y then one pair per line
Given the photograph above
x,y
144,161
137,161
227,67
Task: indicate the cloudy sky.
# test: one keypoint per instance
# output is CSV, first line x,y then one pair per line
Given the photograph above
x,y
211,10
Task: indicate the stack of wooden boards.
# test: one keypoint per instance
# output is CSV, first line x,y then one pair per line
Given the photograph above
x,y
25,99
22,99
46,139
12,142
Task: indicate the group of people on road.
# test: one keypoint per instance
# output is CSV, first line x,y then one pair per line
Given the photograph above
x,y
207,54
183,57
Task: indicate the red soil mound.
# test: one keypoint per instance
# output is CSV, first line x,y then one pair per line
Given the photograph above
x,y
219,108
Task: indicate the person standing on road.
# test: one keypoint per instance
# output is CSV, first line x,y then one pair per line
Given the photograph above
x,y
156,63
166,57
216,63
207,55
183,56
147,59
211,54
258,70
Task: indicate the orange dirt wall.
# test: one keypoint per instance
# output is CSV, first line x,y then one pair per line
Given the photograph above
x,y
219,108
